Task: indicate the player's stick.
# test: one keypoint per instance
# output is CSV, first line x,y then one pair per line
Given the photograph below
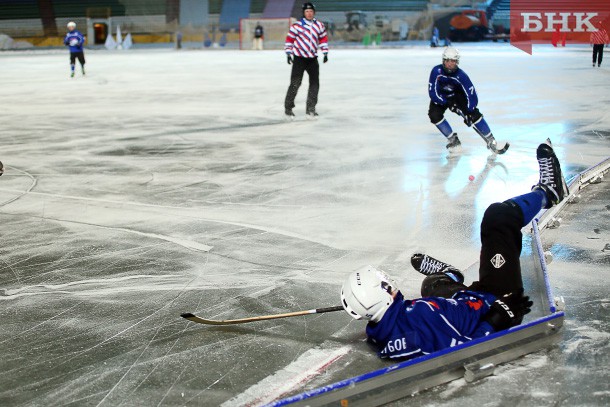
x,y
199,320
494,149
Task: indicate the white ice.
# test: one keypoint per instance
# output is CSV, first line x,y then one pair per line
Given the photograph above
x,y
168,181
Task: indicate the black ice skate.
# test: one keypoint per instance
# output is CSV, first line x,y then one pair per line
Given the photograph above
x,y
1,168
454,142
429,265
551,179
289,113
312,114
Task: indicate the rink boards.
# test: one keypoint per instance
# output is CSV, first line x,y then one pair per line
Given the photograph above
x,y
472,360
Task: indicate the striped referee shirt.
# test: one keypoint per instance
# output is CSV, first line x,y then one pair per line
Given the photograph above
x,y
304,38
600,37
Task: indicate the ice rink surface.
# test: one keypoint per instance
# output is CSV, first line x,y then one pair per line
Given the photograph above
x,y
166,182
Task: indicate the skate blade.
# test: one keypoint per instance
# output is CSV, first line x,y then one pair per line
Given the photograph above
x,y
566,190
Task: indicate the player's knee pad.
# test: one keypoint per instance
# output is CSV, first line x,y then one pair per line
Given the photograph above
x,y
475,116
501,215
435,116
495,213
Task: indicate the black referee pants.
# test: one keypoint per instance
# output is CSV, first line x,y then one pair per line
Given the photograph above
x,y
301,65
598,53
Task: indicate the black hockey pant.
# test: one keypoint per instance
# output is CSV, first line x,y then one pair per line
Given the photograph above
x,y
436,113
499,270
80,55
299,67
598,53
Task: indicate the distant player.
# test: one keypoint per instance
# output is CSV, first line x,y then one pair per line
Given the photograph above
x,y
75,40
302,42
259,36
450,312
178,40
450,88
434,41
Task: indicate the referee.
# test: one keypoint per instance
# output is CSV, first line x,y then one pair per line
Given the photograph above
x,y
598,39
302,43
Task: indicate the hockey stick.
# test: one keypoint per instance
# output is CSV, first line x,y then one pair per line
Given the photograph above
x,y
199,320
493,149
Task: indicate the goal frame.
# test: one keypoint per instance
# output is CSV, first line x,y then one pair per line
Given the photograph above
x,y
245,39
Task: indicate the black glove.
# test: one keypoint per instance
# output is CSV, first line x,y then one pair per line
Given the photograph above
x,y
325,58
467,119
466,116
289,58
508,310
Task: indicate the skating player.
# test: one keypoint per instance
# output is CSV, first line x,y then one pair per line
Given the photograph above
x,y
302,43
75,40
450,88
449,312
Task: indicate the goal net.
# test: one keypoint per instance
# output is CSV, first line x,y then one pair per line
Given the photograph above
x,y
274,32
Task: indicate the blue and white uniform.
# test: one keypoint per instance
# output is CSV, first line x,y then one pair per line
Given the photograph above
x,y
444,86
75,40
412,328
455,91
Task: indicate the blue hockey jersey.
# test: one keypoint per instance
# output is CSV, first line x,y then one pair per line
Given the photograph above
x,y
75,40
443,86
412,328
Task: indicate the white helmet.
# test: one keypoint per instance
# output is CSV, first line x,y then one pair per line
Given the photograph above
x,y
451,53
71,24
366,294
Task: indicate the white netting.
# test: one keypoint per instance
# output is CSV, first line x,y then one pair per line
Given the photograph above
x,y
274,30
